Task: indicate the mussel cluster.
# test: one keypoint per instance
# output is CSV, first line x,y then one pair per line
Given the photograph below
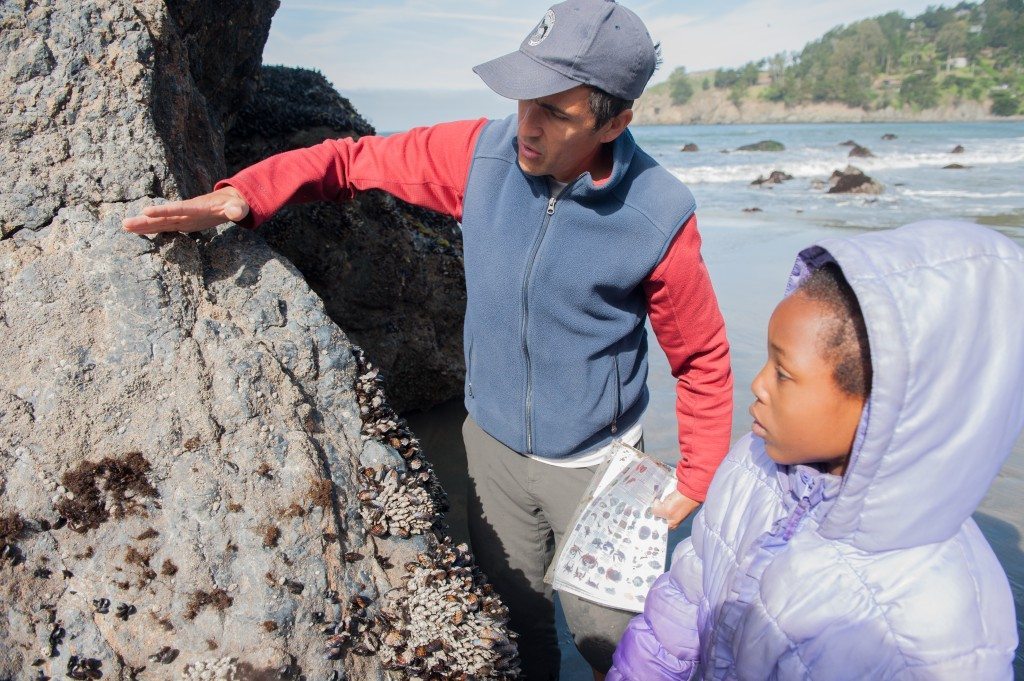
x,y
396,502
381,423
446,623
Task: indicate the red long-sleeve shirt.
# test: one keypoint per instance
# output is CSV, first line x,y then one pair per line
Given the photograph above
x,y
429,167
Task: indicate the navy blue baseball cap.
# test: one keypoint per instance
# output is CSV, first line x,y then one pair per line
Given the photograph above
x,y
578,42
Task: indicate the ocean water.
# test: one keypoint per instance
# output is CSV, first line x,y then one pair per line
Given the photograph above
x,y
749,256
911,168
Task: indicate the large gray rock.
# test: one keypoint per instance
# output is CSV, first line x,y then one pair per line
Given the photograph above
x,y
389,273
197,473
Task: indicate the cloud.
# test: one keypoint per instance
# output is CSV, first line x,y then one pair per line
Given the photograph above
x,y
415,44
752,30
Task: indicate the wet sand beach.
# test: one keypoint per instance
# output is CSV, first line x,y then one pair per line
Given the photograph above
x,y
749,260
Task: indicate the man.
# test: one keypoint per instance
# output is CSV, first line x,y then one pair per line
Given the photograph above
x,y
572,236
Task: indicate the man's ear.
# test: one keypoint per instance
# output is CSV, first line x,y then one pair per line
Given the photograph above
x,y
615,126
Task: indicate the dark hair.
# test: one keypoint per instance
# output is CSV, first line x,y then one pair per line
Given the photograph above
x,y
605,106
846,336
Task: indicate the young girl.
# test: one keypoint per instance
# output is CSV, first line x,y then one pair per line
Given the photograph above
x,y
837,541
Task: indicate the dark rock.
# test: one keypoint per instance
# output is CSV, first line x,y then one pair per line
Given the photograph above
x,y
849,143
888,136
852,181
775,177
689,146
955,166
764,145
752,210
390,274
860,152
958,149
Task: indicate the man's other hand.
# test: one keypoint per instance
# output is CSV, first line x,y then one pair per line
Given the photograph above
x,y
202,212
674,508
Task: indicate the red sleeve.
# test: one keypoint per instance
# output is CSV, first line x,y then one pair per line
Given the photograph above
x,y
685,316
424,166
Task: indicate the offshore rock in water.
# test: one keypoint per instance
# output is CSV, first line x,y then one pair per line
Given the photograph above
x,y
860,152
853,181
764,145
775,177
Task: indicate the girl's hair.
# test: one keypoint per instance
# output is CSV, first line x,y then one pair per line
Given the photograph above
x,y
845,339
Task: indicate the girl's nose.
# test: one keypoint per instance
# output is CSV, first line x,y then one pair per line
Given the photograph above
x,y
757,385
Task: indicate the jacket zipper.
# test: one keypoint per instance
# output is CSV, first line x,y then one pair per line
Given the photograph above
x,y
526,350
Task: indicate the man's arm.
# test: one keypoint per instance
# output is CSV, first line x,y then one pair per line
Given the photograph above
x,y
424,166
689,326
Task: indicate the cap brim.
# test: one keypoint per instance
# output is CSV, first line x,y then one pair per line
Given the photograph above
x,y
517,76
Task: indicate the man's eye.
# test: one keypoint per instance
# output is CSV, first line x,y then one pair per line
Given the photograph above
x,y
780,374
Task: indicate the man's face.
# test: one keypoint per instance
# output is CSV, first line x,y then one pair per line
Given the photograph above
x,y
557,136
799,410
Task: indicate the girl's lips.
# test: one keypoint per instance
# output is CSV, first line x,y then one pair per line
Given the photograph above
x,y
756,426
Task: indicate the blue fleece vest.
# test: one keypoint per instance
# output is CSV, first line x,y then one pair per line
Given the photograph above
x,y
555,344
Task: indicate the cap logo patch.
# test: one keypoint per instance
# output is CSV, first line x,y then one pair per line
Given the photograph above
x,y
543,29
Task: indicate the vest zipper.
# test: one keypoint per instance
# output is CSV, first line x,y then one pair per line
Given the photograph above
x,y
618,397
526,350
469,371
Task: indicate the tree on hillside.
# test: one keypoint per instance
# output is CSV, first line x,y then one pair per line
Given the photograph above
x,y
680,89
920,90
951,40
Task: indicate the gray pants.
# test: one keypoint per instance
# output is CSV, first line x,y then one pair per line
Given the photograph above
x,y
518,510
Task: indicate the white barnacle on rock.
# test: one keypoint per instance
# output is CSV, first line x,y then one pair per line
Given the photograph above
x,y
222,669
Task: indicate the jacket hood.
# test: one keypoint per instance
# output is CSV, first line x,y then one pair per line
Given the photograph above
x,y
947,394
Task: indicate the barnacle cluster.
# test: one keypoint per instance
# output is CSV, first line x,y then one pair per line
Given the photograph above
x,y
381,423
224,669
446,623
396,502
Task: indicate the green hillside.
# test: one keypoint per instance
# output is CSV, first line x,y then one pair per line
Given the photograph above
x,y
943,56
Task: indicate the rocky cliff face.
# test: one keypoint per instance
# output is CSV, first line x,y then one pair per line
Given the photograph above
x,y
199,478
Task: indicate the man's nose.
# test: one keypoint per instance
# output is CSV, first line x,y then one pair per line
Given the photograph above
x,y
528,123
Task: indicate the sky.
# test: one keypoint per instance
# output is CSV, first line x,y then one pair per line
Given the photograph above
x,y
404,63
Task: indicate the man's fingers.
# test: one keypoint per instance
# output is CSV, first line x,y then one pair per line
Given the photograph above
x,y
176,209
141,224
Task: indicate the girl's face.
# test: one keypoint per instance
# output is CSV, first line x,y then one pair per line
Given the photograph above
x,y
799,411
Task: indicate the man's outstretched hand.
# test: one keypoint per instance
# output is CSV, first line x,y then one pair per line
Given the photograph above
x,y
674,508
202,212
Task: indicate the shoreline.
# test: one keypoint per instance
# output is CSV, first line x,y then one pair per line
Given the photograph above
x,y
714,108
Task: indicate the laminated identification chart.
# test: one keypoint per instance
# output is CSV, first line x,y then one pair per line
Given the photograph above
x,y
615,547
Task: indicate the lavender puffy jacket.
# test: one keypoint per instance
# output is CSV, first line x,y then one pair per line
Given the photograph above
x,y
880,574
